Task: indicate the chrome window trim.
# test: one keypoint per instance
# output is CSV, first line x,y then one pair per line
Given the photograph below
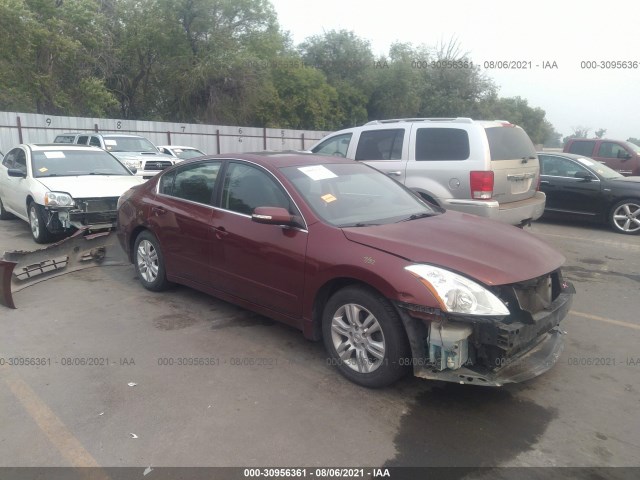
x,y
222,160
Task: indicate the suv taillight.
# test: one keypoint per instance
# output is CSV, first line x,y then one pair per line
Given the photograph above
x,y
481,185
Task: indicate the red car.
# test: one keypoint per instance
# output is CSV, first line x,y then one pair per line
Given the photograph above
x,y
346,254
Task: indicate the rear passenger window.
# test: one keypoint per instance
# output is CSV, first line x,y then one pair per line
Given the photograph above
x,y
380,145
82,139
193,182
582,148
435,144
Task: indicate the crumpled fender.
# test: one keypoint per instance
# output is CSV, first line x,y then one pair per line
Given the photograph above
x,y
20,269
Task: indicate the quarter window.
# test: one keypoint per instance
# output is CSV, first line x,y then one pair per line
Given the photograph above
x,y
434,144
247,187
193,182
380,145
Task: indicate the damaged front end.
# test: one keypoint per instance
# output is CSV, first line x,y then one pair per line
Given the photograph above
x,y
20,269
492,350
93,213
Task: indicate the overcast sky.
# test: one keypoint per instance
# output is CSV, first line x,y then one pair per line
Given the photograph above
x,y
567,32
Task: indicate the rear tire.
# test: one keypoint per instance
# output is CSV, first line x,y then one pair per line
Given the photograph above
x,y
38,224
365,337
4,215
149,262
624,217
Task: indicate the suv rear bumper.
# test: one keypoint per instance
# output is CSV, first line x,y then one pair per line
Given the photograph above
x,y
514,213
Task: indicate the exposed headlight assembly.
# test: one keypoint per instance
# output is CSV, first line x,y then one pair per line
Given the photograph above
x,y
458,294
58,199
137,164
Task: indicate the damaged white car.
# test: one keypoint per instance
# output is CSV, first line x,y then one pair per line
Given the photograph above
x,y
60,188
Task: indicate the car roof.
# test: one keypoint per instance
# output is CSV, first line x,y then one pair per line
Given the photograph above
x,y
279,159
572,156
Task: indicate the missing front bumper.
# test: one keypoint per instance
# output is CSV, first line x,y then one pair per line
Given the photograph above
x,y
21,269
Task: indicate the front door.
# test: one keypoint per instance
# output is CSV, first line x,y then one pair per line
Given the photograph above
x,y
262,264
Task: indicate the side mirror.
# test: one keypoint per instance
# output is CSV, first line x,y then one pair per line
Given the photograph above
x,y
586,176
273,216
16,172
133,170
623,155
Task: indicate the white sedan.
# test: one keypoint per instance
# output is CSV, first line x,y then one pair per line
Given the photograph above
x,y
58,188
180,153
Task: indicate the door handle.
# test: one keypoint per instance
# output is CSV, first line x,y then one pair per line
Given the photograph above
x,y
220,232
544,182
397,173
158,210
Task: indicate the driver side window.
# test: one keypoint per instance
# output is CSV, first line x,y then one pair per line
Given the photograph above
x,y
336,146
247,187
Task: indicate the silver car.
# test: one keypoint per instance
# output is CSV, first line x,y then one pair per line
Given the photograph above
x,y
487,168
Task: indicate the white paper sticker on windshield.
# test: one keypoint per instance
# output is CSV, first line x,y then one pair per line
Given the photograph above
x,y
54,154
43,169
317,172
110,142
586,161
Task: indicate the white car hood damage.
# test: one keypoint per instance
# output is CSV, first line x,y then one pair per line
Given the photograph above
x,y
91,186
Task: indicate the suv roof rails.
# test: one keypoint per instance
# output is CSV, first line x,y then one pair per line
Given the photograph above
x,y
433,119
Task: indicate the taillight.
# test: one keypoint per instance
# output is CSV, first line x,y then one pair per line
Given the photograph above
x,y
481,185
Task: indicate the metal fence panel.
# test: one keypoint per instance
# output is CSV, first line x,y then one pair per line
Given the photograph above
x,y
18,128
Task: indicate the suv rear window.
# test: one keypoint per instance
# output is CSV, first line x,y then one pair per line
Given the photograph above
x,y
509,143
582,148
442,144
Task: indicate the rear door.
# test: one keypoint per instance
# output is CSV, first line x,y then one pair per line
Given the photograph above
x,y
514,163
181,219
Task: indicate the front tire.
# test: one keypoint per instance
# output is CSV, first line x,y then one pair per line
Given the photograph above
x,y
624,217
149,262
365,338
38,224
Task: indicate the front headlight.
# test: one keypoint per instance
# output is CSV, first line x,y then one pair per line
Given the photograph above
x,y
458,294
58,199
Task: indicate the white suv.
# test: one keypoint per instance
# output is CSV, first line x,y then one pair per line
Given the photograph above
x,y
487,168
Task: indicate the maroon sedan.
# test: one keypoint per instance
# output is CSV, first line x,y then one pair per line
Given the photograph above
x,y
346,254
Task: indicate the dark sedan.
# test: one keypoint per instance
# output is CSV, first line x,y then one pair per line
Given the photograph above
x,y
344,253
584,188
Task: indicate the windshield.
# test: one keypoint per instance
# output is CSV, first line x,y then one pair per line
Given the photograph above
x,y
355,195
129,144
600,168
61,163
633,146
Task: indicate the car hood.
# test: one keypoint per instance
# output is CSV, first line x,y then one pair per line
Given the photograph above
x,y
90,186
488,251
